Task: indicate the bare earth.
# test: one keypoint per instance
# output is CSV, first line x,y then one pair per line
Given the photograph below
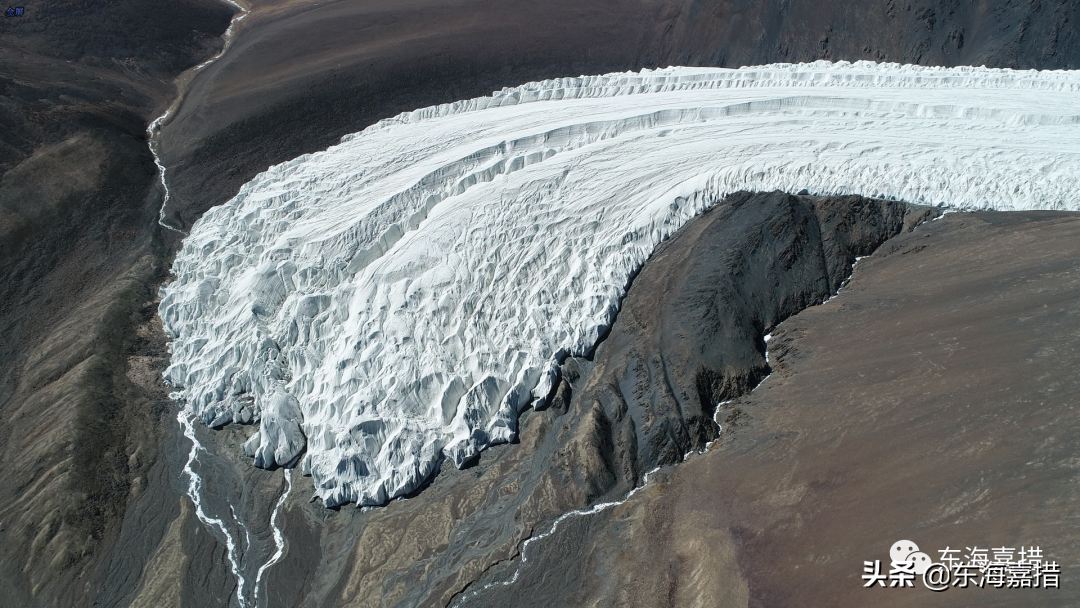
x,y
92,511
302,73
934,400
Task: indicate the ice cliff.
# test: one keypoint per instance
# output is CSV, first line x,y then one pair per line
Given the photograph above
x,y
405,294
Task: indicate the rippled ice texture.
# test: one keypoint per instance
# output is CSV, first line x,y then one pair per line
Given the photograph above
x,y
404,294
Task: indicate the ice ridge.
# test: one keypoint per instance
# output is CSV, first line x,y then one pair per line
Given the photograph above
x,y
402,296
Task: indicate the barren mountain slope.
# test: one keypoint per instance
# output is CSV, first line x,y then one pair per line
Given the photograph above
x,y
79,256
84,422
302,74
933,400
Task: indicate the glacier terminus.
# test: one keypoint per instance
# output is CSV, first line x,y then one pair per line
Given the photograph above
x,y
400,298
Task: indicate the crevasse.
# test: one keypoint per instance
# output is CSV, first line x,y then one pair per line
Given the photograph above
x,y
402,296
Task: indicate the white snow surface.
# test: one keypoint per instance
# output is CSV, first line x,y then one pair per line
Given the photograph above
x,y
405,294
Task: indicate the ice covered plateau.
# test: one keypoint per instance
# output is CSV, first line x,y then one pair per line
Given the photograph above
x,y
403,295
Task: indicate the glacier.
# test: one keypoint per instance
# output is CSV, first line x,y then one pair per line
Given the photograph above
x,y
400,298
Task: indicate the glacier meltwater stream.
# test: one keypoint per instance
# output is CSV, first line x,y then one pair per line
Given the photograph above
x,y
401,297
185,417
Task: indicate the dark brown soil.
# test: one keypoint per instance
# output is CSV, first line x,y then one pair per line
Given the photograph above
x,y
934,400
738,269
92,509
302,74
79,259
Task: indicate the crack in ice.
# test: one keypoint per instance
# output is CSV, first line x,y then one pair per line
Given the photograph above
x,y
153,132
401,297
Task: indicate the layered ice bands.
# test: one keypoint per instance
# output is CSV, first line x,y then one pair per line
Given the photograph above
x,y
405,294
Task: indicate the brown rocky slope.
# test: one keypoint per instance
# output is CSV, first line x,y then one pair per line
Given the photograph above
x,y
934,400
93,510
79,258
688,335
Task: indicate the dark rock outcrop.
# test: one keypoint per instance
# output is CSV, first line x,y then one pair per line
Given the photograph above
x,y
93,510
932,401
689,332
79,261
697,309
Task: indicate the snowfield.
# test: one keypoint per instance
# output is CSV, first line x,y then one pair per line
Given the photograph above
x,y
402,296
